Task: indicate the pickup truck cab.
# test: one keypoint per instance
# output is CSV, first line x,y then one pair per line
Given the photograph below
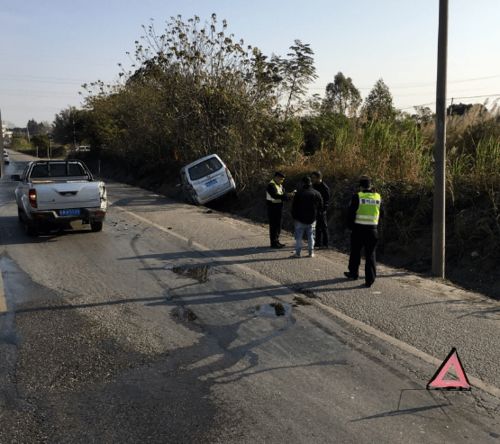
x,y
57,192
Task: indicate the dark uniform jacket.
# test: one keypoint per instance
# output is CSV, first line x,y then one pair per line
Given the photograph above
x,y
306,204
323,189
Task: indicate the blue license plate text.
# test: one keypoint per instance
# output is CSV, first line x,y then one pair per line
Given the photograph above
x,y
70,212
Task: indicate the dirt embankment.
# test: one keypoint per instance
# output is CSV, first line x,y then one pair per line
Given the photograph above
x,y
473,222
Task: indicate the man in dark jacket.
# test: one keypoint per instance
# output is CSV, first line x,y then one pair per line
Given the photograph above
x,y
322,220
306,204
364,214
275,196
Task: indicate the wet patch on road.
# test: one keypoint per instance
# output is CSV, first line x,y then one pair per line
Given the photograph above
x,y
274,309
184,314
197,272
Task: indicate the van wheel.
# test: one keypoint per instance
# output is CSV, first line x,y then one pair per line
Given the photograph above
x,y
96,226
19,214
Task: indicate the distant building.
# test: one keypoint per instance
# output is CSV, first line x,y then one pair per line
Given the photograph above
x,y
7,134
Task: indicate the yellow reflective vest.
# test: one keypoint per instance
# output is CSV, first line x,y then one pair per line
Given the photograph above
x,y
368,212
279,190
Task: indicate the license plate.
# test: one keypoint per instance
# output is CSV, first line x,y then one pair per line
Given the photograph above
x,y
70,212
211,183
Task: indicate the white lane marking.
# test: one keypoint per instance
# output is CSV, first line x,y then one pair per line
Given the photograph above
x,y
476,382
3,302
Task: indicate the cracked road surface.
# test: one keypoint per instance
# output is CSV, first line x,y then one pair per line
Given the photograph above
x,y
164,328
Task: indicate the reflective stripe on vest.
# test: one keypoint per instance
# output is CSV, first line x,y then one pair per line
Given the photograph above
x,y
279,190
368,212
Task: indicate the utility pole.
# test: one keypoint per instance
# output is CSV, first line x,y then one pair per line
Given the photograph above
x,y
74,135
2,163
439,211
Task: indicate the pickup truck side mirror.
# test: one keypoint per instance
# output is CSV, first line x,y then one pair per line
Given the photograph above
x,y
15,177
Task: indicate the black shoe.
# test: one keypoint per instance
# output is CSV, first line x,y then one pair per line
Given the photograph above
x,y
368,285
349,275
277,246
280,245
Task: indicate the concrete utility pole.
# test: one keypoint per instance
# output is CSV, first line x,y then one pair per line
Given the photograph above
x,y
439,212
74,135
2,163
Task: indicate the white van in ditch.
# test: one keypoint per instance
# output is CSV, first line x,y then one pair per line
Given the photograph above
x,y
206,179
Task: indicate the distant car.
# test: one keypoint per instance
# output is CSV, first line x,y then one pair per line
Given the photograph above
x,y
6,158
206,179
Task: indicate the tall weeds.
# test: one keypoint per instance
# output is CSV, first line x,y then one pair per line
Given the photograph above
x,y
402,150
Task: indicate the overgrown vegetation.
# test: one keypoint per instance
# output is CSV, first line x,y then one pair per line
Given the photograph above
x,y
194,88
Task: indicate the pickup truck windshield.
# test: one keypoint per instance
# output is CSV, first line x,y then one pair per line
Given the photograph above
x,y
45,170
205,168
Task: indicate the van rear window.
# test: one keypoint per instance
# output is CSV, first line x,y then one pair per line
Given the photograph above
x,y
205,168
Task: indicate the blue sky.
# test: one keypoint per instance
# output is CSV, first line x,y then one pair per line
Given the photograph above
x,y
48,49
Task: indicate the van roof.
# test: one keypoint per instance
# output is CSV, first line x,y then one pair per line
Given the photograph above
x,y
196,162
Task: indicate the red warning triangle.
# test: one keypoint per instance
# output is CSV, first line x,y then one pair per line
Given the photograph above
x,y
439,380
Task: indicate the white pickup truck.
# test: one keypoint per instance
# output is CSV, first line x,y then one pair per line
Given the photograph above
x,y
57,192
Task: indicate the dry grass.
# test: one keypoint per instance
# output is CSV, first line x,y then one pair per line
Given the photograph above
x,y
401,151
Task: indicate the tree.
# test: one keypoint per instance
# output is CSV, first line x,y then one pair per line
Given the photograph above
x,y
341,96
35,128
296,72
41,141
378,105
423,115
461,109
194,89
70,126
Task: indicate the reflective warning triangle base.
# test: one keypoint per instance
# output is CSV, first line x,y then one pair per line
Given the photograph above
x,y
439,381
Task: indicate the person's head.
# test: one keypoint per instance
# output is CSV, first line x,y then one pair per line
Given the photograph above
x,y
365,183
316,177
306,182
279,178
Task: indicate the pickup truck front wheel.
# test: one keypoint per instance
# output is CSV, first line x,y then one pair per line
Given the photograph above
x,y
96,226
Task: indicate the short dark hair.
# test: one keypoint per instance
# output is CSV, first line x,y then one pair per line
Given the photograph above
x,y
317,174
365,182
279,174
306,181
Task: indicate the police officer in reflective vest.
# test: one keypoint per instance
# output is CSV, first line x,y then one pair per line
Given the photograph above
x,y
364,215
275,196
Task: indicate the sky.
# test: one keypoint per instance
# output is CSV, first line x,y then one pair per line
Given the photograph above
x,y
49,48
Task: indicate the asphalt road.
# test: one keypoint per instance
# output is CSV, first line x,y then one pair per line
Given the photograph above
x,y
160,329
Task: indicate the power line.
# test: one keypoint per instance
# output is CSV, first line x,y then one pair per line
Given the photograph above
x,y
453,98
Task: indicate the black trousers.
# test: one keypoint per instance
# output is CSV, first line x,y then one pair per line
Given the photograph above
x,y
364,237
322,230
274,213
